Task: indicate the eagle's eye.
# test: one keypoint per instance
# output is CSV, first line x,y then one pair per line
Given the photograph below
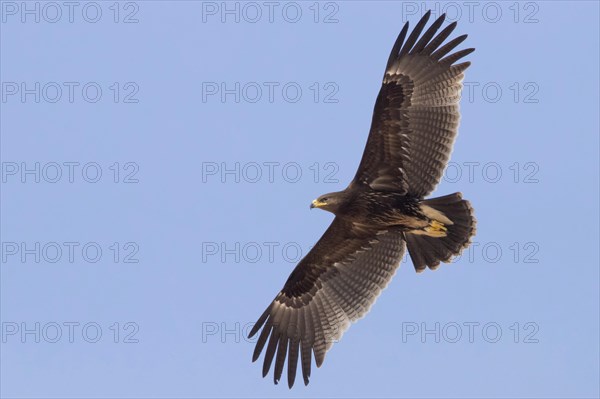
x,y
324,199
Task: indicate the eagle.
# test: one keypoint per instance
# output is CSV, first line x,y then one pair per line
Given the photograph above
x,y
383,210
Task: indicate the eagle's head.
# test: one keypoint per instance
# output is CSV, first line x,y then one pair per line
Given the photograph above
x,y
329,202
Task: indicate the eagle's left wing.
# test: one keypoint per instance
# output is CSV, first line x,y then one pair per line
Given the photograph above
x,y
416,115
334,284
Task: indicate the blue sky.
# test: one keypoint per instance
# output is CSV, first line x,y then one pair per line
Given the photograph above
x,y
158,160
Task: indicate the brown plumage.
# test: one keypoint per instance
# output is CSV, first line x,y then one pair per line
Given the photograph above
x,y
382,211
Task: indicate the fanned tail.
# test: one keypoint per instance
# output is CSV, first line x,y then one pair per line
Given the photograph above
x,y
442,240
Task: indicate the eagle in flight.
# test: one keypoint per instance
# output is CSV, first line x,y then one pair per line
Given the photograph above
x,y
383,210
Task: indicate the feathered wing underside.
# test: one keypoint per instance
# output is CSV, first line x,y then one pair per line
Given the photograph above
x,y
335,284
416,115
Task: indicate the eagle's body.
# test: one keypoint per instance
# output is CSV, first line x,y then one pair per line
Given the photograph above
x,y
383,211
378,208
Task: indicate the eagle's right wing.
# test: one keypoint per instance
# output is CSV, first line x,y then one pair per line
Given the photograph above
x,y
416,115
334,284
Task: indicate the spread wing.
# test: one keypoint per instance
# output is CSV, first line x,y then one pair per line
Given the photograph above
x,y
335,284
416,115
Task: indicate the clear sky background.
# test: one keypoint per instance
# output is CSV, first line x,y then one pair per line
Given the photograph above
x,y
212,132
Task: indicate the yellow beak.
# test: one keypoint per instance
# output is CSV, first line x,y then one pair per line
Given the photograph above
x,y
314,204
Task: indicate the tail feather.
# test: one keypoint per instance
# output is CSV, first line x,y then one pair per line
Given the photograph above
x,y
429,251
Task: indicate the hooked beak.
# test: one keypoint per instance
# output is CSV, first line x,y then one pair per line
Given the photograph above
x,y
314,204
